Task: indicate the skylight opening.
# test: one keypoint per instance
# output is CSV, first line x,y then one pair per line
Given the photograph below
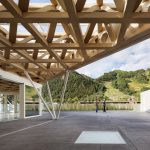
x,y
109,1
39,1
22,30
46,56
84,27
59,29
42,27
39,4
90,3
32,41
134,25
5,27
16,1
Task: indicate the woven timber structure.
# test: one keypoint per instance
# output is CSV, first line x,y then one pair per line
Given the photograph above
x,y
48,39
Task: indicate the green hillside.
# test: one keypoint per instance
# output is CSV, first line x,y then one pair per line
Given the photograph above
x,y
114,86
79,87
114,94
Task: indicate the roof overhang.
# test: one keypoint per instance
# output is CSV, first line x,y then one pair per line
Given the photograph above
x,y
48,39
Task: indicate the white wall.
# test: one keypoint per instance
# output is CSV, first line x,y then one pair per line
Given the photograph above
x,y
145,101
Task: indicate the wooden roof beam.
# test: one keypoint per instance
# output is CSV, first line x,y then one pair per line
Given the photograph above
x,y
13,32
36,70
54,2
59,46
44,43
120,4
26,39
130,7
15,10
5,41
49,63
64,51
35,53
24,54
129,42
99,2
89,32
88,46
70,8
111,31
43,61
11,6
23,5
82,17
79,5
51,32
6,56
7,53
50,37
17,66
46,9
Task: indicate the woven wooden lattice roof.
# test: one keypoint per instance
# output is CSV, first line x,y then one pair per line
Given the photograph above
x,y
49,38
8,86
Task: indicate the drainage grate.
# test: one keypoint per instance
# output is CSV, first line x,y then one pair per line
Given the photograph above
x,y
100,137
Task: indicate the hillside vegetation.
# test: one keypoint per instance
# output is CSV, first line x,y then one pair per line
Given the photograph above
x,y
114,86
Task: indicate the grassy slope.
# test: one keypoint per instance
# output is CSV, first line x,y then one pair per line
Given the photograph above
x,y
115,94
138,86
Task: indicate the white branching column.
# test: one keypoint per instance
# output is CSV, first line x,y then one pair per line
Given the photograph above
x,y
15,103
51,100
5,104
63,93
22,100
40,103
39,94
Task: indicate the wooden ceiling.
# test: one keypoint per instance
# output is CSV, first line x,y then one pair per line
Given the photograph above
x,y
8,86
89,31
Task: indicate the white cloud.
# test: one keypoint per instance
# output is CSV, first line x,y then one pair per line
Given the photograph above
x,y
132,58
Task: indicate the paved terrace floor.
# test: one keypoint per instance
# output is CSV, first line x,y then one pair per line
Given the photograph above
x,y
43,134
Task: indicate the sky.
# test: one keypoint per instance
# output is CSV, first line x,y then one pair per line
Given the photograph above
x,y
130,59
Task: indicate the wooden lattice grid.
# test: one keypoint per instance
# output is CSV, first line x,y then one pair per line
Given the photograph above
x,y
48,39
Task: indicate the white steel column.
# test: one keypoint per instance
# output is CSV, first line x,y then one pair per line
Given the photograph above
x,y
40,103
3,101
5,104
15,103
22,100
39,94
63,93
50,96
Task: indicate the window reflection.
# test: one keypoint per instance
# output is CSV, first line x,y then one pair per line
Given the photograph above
x,y
31,102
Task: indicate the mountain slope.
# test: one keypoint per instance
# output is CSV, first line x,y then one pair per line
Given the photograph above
x,y
114,94
78,88
115,86
122,85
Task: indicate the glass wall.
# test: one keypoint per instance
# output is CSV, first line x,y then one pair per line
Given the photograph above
x,y
9,107
31,102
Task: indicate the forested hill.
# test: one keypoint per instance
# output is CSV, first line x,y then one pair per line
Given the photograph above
x,y
114,86
79,87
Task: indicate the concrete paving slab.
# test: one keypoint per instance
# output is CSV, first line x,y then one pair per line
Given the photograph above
x,y
61,134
